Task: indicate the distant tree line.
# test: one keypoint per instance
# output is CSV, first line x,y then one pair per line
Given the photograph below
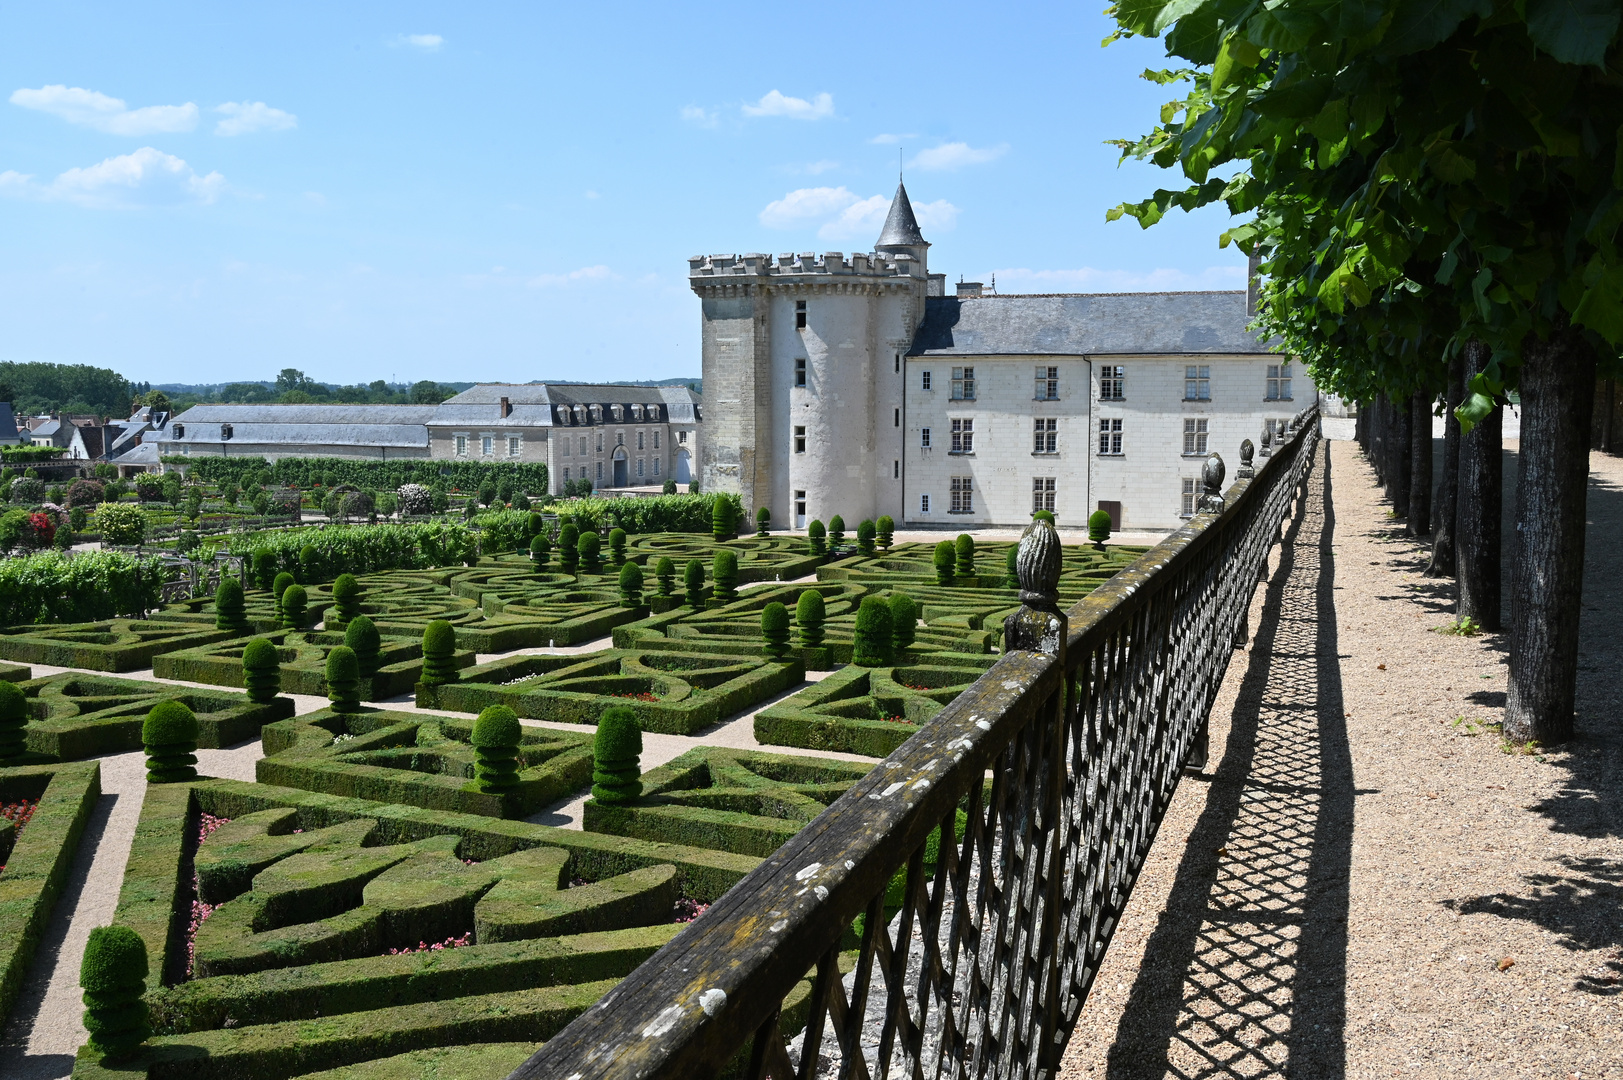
x,y
34,387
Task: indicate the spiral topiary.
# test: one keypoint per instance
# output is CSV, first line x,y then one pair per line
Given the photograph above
x,y
280,586
964,551
763,521
541,549
1099,527
616,756
363,639
309,564
617,546
113,976
346,602
13,721
775,630
169,735
943,560
865,536
724,572
886,528
871,640
836,531
569,546
904,621
439,654
1011,579
631,585
496,735
809,615
295,607
591,558
722,521
264,568
261,671
693,583
230,610
816,538
665,575
344,680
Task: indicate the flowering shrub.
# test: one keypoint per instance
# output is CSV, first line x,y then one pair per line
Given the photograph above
x,y
448,943
42,527
121,523
27,489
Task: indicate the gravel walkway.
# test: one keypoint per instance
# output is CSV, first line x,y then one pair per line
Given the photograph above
x,y
1366,885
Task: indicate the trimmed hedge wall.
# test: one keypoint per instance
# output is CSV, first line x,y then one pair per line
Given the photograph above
x,y
360,549
660,513
303,659
56,588
369,475
113,645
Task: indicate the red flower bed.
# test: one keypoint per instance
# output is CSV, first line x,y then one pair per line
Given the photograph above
x,y
18,814
206,825
637,697
424,946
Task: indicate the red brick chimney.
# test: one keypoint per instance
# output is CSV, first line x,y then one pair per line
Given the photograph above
x,y
507,409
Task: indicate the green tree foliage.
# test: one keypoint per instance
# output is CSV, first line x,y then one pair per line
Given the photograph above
x,y
617,546
569,546
943,560
13,721
865,537
361,635
763,521
50,587
496,736
295,608
346,602
775,630
230,609
368,475
123,524
665,574
964,556
439,654
836,531
724,572
872,638
631,585
723,520
169,735
904,621
886,528
113,975
1011,575
541,549
616,757
487,492
279,585
343,673
261,671
309,565
693,583
591,553
816,538
75,388
809,615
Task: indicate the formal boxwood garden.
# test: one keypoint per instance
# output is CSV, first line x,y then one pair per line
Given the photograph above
x,y
110,645
303,660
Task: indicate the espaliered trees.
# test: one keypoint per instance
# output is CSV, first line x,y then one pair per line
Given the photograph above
x,y
1425,181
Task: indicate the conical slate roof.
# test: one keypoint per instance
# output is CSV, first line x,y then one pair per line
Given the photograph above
x,y
901,227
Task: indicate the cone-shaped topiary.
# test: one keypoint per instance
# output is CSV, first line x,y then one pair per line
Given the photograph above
x,y
169,734
775,629
261,671
591,557
871,641
836,531
13,721
541,549
295,608
817,538
693,583
724,572
865,535
309,564
230,610
346,602
964,550
439,654
631,585
279,586
362,637
496,735
665,575
113,976
616,754
264,568
343,680
763,521
943,560
569,546
617,546
904,621
1011,579
1099,526
886,528
809,615
722,522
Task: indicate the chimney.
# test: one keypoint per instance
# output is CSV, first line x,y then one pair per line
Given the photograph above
x,y
969,288
507,409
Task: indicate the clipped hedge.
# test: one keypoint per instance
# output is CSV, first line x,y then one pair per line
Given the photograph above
x,y
660,513
369,475
111,645
52,587
360,549
303,659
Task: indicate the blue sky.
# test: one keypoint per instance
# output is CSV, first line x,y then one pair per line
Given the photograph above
x,y
511,192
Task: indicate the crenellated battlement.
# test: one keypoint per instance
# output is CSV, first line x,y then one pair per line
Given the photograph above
x,y
806,264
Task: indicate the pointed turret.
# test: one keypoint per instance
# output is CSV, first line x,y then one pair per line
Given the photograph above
x,y
901,227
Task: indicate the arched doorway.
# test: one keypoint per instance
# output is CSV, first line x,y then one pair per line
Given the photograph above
x,y
621,477
684,470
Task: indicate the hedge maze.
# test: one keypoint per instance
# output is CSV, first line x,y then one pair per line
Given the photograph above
x,y
303,659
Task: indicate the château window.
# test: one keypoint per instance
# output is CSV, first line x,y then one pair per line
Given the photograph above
x,y
461,446
600,472
1110,437
487,445
924,504
800,440
1047,383
962,498
800,508
800,314
1279,382
1188,509
924,438
583,445
600,445
963,436
1045,436
800,371
1042,494
924,380
1112,382
682,437
640,437
640,463
1197,383
656,438
963,384
656,466
897,422
512,446
1194,438
563,445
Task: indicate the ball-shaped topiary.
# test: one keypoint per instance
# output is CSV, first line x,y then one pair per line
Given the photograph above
x,y
295,608
343,680
871,640
439,654
943,560
670,487
1099,527
617,546
809,615
886,528
775,630
230,609
169,735
665,575
865,536
280,585
722,520
309,564
1011,578
817,538
724,572
630,585
693,583
904,621
616,754
763,521
836,531
1043,515
13,721
261,671
113,976
591,553
361,635
496,736
964,552
541,549
265,568
346,602
569,546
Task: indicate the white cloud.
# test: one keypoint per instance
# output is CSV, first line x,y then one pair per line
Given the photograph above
x,y
91,109
425,42
1090,279
693,114
585,273
815,168
956,155
843,215
146,176
776,104
243,117
889,140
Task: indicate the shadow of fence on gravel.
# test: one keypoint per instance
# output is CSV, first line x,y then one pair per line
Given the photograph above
x,y
1245,975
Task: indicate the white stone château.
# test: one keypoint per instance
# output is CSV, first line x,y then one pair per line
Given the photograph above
x,y
855,386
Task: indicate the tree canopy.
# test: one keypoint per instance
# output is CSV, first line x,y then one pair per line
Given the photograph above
x,y
35,387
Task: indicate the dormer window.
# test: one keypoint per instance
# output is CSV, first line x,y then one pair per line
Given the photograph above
x,y
180,431
225,432
619,412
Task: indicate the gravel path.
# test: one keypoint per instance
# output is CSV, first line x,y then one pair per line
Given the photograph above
x,y
1342,897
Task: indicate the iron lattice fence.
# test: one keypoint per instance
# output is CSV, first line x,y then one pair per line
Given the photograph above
x,y
847,953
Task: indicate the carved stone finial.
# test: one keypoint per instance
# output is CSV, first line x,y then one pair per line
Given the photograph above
x,y
1038,626
1211,478
1267,438
1246,471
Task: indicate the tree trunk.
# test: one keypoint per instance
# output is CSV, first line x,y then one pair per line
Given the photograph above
x,y
1442,532
1377,439
1552,495
1398,483
1420,406
1476,531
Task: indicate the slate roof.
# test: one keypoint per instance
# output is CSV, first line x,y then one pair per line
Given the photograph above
x,y
901,227
8,423
307,414
1088,324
